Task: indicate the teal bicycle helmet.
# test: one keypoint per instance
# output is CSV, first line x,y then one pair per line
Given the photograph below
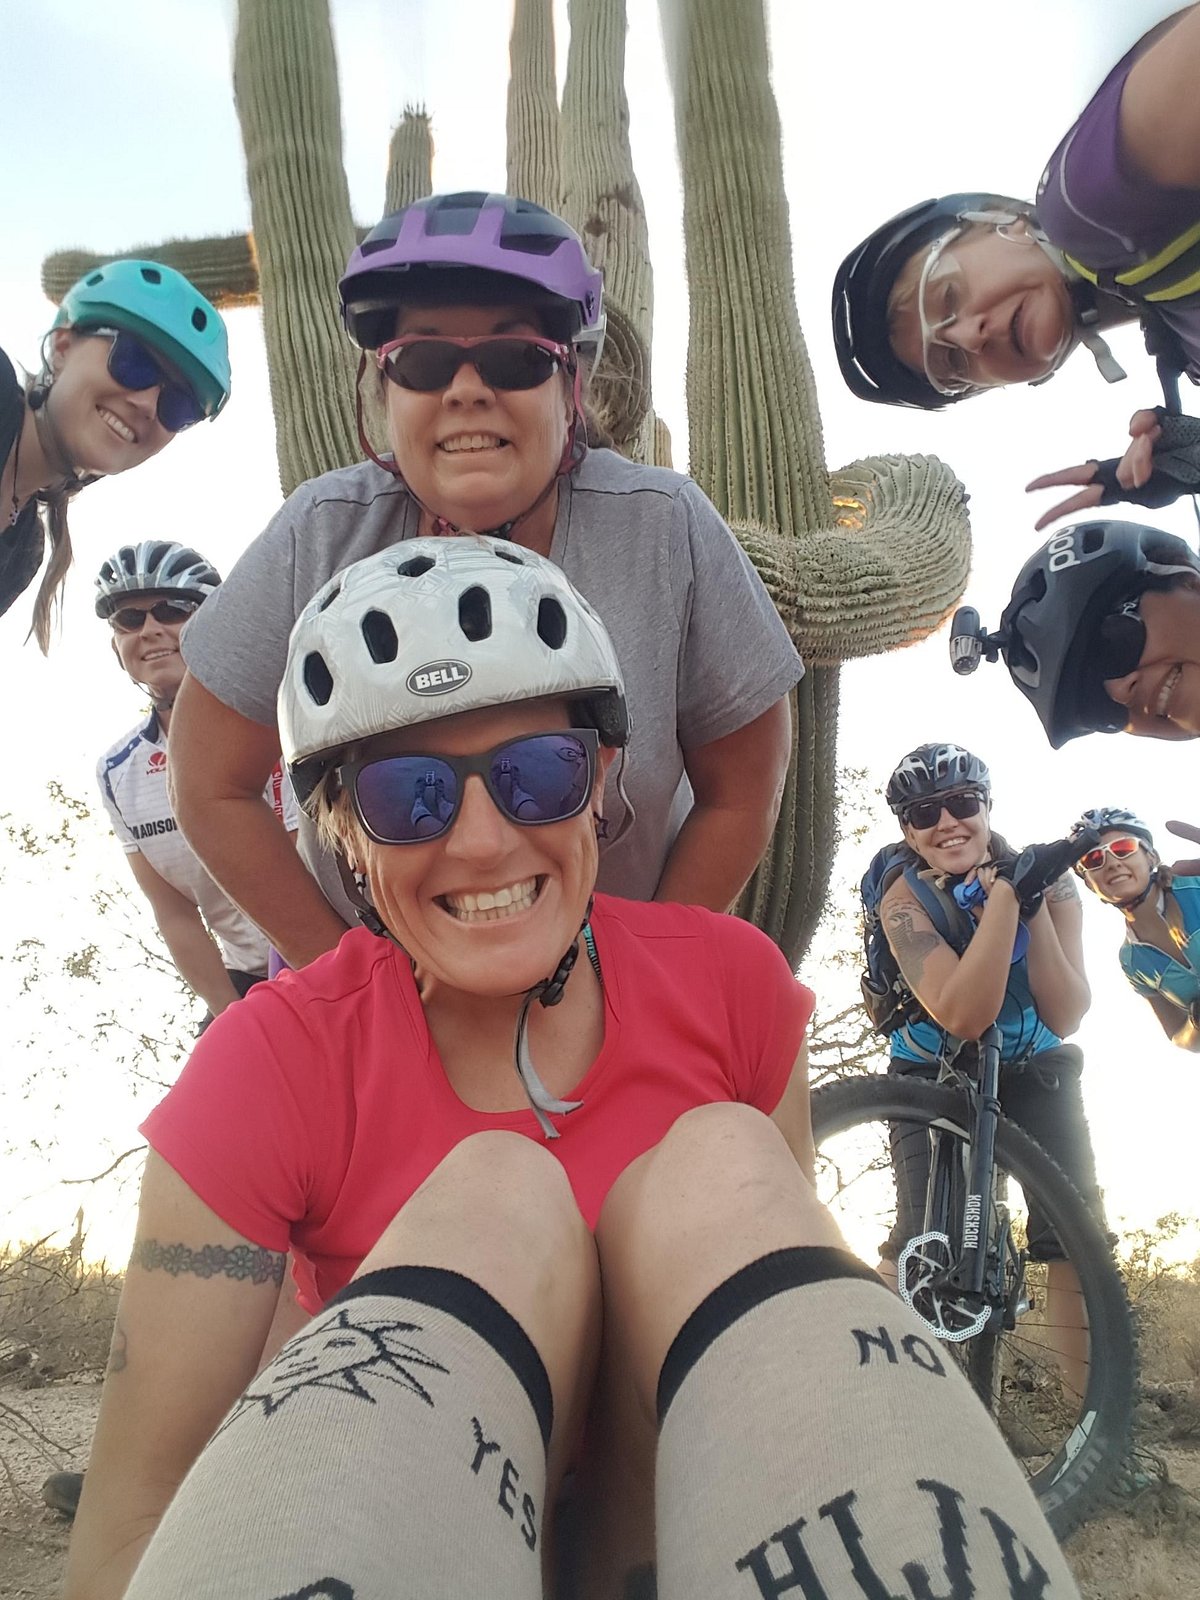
x,y
163,308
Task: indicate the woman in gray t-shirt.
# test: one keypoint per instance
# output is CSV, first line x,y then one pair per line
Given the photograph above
x,y
482,314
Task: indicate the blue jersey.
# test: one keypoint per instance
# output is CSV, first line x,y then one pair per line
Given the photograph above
x,y
1022,1031
1176,978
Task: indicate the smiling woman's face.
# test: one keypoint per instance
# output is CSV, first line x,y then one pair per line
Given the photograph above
x,y
1162,694
952,845
1118,881
489,906
104,428
477,456
151,656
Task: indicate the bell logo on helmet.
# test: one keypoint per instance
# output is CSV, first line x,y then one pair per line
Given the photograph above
x,y
438,677
1061,551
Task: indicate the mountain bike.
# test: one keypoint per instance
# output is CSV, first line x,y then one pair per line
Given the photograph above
x,y
1060,1387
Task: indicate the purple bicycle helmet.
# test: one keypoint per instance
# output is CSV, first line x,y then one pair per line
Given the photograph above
x,y
472,249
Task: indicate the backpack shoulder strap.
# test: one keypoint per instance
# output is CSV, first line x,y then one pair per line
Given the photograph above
x,y
950,920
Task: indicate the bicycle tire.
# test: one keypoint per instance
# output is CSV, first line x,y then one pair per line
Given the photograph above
x,y
1077,1477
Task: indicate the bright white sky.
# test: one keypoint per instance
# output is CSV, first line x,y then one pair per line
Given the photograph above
x,y
126,134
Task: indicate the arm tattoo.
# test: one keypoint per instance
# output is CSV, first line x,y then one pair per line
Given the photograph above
x,y
240,1261
910,944
118,1355
1062,889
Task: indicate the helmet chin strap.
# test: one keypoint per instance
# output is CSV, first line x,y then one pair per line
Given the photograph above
x,y
547,993
1086,306
574,450
1130,906
70,479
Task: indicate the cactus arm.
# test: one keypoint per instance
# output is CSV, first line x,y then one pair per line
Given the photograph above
x,y
533,127
224,269
410,160
603,200
285,83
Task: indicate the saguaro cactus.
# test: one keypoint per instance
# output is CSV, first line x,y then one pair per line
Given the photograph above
x,y
864,561
756,445
410,160
286,87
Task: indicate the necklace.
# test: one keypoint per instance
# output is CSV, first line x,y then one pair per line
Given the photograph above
x,y
16,504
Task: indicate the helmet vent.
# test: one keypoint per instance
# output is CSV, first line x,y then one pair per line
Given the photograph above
x,y
1093,538
317,678
416,567
380,636
552,624
510,556
475,613
96,277
151,274
199,319
329,599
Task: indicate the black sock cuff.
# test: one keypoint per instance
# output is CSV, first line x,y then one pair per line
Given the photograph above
x,y
464,1299
761,1280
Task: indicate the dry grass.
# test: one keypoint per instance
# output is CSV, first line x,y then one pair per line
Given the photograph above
x,y
56,1310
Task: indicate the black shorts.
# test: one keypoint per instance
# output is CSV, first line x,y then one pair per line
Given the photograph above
x,y
1042,1096
243,982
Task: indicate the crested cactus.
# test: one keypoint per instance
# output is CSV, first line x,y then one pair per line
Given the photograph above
x,y
845,586
410,160
533,125
286,88
601,199
867,560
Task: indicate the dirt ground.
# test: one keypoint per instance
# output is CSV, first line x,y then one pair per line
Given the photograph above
x,y
1151,1552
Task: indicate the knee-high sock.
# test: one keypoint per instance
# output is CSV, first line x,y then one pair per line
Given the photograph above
x,y
816,1444
395,1449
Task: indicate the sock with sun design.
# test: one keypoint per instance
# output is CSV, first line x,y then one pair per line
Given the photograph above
x,y
395,1447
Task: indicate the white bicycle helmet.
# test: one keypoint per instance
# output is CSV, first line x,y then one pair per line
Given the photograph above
x,y
432,627
156,566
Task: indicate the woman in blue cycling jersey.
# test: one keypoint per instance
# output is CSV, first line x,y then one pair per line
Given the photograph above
x,y
136,354
1161,953
1022,968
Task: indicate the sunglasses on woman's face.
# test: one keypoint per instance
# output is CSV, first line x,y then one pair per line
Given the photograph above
x,y
1120,641
134,366
428,362
924,814
1119,849
132,619
406,799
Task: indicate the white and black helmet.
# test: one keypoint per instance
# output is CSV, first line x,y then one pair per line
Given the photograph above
x,y
933,769
1105,818
432,627
156,566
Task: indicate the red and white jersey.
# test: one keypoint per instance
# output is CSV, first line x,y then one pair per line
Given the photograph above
x,y
133,785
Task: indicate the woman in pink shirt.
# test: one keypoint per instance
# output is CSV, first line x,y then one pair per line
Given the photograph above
x,y
542,1157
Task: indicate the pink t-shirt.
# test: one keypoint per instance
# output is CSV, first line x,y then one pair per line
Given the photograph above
x,y
310,1111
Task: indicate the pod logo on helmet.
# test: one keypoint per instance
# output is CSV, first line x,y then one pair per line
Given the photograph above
x,y
1062,552
438,677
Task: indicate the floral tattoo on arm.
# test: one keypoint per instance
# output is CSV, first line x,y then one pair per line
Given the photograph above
x,y
245,1263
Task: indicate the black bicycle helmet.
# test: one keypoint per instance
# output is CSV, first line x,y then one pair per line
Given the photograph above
x,y
1063,592
935,769
864,282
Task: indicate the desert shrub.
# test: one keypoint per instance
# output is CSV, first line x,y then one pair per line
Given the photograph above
x,y
56,1310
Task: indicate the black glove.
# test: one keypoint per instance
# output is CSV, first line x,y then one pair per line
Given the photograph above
x,y
1176,471
1038,866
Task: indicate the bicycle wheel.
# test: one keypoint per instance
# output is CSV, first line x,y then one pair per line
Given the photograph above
x,y
1066,1420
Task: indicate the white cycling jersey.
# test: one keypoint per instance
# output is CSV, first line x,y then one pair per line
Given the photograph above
x,y
133,785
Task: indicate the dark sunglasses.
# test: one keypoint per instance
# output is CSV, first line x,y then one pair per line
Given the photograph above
x,y
426,362
1120,849
544,777
132,619
1120,641
135,366
924,814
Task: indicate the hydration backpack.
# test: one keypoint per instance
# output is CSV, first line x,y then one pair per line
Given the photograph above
x,y
889,1002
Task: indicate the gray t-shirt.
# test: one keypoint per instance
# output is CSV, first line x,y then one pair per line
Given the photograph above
x,y
699,641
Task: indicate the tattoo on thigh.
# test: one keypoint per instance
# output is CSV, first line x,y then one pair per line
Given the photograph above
x,y
118,1354
242,1262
